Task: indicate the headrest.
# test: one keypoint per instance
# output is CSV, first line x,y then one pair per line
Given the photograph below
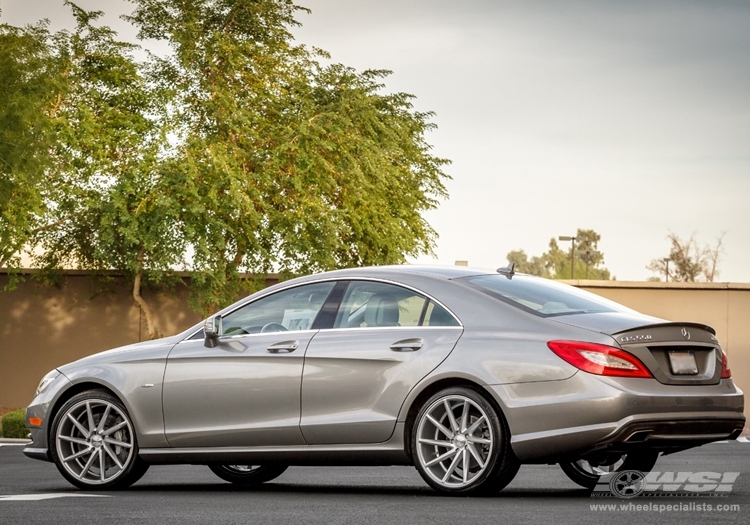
x,y
381,310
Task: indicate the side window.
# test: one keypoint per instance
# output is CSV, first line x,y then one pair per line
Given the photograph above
x,y
371,304
436,315
290,310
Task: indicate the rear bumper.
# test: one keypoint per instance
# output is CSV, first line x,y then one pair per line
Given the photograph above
x,y
587,413
674,432
667,434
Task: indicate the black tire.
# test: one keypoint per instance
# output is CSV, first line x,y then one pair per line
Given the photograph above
x,y
580,471
248,474
462,445
81,449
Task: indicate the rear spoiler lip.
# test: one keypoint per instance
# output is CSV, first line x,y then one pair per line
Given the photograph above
x,y
660,325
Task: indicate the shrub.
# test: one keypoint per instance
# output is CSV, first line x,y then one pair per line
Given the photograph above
x,y
14,424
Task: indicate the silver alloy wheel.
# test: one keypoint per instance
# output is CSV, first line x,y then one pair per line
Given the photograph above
x,y
454,441
95,441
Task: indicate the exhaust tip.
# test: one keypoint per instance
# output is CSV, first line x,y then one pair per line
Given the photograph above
x,y
639,436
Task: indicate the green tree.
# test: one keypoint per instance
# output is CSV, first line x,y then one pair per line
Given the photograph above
x,y
534,266
30,81
241,152
555,262
589,259
689,260
285,164
113,210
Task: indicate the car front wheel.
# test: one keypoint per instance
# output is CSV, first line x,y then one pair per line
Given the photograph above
x,y
93,442
461,444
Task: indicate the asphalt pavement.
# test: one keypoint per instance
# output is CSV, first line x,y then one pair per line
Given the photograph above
x,y
34,492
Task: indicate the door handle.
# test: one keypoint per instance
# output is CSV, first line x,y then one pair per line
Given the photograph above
x,y
407,345
284,346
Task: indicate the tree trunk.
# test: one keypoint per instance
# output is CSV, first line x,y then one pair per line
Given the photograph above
x,y
141,303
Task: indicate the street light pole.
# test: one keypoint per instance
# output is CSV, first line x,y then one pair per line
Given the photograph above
x,y
572,253
666,272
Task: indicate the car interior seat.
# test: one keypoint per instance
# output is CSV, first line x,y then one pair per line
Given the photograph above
x,y
381,310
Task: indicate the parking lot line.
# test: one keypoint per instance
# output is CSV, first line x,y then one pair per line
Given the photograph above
x,y
38,497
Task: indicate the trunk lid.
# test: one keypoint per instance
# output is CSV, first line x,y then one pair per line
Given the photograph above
x,y
675,353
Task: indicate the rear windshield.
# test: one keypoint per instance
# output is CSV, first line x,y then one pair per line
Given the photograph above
x,y
542,296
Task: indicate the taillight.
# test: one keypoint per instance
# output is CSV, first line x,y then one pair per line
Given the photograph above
x,y
598,359
726,373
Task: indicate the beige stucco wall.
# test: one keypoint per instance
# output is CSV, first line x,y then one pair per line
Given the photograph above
x,y
44,327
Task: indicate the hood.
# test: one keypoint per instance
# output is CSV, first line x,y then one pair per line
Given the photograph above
x,y
145,350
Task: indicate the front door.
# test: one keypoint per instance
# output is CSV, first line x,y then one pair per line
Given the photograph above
x,y
246,390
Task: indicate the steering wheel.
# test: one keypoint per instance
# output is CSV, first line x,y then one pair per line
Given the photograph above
x,y
273,327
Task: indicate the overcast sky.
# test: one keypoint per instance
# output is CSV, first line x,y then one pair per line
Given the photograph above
x,y
629,118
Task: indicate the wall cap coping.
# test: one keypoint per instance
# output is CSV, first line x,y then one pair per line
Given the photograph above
x,y
579,283
109,273
655,285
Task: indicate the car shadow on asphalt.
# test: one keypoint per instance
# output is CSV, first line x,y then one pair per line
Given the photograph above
x,y
375,490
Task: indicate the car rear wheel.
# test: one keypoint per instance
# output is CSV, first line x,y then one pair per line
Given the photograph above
x,y
586,472
93,442
461,444
248,474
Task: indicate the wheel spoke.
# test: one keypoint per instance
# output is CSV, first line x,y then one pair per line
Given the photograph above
x,y
113,456
476,455
465,416
78,425
115,428
90,415
465,465
451,417
441,457
476,424
101,466
117,443
440,426
88,465
103,420
477,439
435,442
74,440
78,455
453,466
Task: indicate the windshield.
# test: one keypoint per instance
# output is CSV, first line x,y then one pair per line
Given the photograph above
x,y
542,296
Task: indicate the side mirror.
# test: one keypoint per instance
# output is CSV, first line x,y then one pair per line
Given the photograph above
x,y
212,331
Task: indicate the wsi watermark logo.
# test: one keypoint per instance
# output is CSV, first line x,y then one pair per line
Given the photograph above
x,y
632,483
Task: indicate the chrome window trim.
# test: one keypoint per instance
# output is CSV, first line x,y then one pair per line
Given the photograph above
x,y
361,328
336,280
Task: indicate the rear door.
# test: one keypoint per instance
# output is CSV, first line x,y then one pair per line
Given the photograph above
x,y
384,340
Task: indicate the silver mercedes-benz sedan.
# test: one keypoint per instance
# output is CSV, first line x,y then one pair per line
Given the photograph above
x,y
464,373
